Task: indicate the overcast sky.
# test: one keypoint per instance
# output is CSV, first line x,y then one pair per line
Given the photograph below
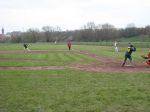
x,y
21,15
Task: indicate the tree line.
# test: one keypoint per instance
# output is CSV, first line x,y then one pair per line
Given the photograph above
x,y
88,33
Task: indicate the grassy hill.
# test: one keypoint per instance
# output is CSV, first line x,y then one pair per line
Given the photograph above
x,y
142,38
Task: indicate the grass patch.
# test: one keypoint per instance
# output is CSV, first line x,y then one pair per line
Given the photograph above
x,y
100,50
73,91
33,46
141,38
109,51
42,58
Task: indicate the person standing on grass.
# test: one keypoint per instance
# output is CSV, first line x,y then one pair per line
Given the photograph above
x,y
115,46
128,53
69,45
26,47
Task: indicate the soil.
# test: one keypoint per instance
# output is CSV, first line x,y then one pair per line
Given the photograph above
x,y
102,63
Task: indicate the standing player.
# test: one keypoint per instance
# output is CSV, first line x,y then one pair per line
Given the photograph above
x,y
26,47
115,46
128,53
69,45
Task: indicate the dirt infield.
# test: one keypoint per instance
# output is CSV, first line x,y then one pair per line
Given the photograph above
x,y
102,64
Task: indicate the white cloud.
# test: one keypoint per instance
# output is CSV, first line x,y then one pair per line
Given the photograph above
x,y
72,14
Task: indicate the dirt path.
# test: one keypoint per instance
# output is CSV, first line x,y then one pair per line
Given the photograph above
x,y
108,64
102,64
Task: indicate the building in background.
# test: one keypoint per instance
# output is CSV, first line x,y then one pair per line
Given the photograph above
x,y
2,31
4,37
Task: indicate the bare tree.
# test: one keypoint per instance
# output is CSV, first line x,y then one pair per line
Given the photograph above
x,y
48,30
33,34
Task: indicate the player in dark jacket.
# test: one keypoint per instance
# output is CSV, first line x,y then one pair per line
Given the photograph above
x,y
26,47
128,53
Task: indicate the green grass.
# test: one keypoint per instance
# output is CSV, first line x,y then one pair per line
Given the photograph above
x,y
70,90
33,46
60,58
142,38
109,51
73,91
42,58
63,46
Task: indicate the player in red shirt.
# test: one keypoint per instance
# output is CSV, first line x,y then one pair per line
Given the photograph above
x,y
69,45
147,58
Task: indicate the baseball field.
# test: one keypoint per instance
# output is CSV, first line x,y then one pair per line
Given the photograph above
x,y
87,78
